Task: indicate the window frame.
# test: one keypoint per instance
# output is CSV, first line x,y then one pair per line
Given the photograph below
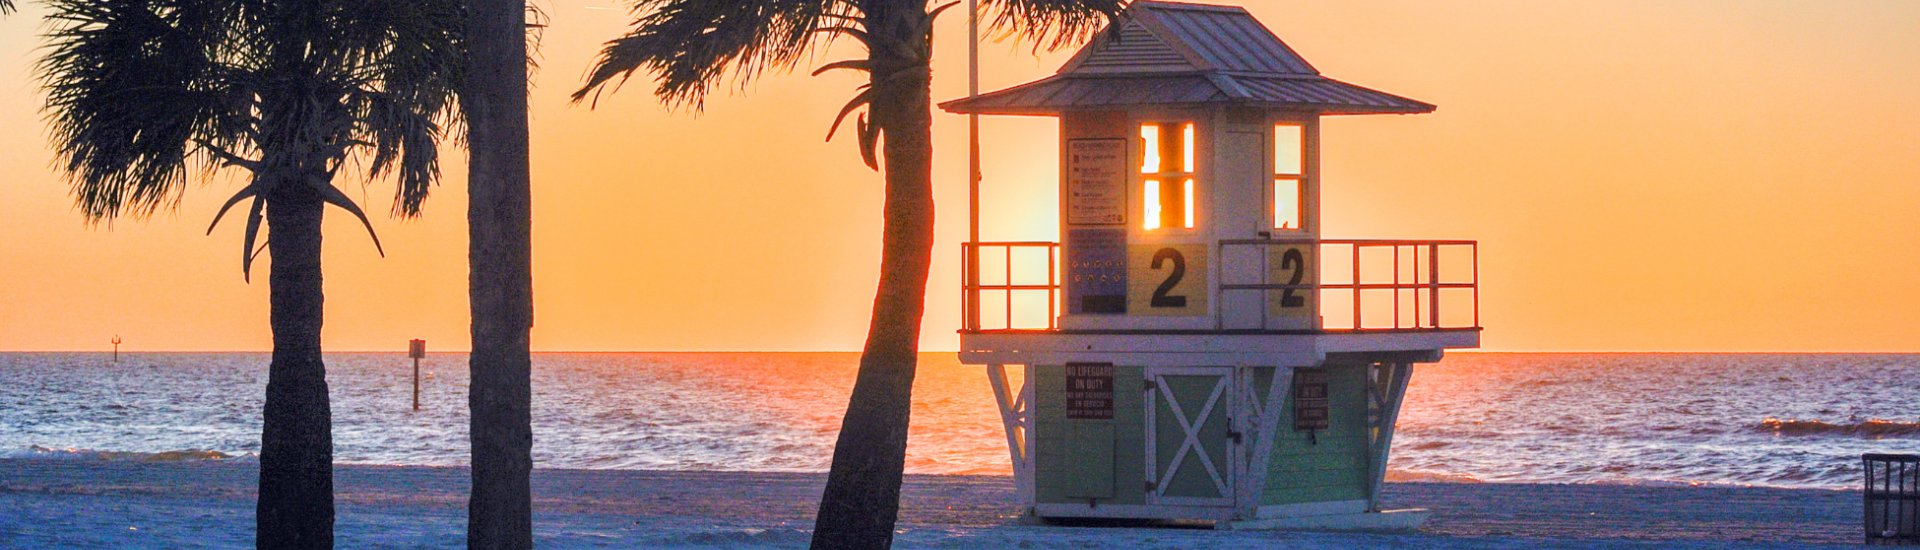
x,y
1301,177
1186,182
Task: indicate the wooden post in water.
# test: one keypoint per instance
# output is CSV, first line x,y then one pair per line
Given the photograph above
x,y
116,348
416,349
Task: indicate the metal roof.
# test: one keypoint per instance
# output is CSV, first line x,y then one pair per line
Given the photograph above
x,y
1168,53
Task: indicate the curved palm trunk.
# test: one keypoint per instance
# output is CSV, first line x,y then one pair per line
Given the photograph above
x,y
862,498
500,276
295,509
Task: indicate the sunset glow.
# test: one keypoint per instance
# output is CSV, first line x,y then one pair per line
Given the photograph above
x,y
1629,169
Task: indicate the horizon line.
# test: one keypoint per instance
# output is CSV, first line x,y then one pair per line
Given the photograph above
x,y
796,351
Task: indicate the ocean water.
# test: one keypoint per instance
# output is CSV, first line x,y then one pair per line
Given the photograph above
x,y
1720,419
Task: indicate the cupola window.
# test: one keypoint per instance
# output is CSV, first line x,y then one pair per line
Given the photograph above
x,y
1289,179
1167,167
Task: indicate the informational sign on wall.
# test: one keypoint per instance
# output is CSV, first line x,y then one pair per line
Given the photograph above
x,y
1097,182
1311,407
1167,279
1292,264
1090,391
1097,270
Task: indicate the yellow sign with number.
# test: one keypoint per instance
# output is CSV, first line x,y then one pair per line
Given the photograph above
x,y
1291,265
1167,280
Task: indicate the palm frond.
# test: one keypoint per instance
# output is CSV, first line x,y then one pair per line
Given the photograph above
x,y
691,46
141,91
406,100
131,85
6,7
1053,24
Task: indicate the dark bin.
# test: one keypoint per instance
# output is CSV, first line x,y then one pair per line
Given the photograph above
x,y
1892,499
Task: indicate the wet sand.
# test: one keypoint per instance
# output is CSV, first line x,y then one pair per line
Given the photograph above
x,y
209,504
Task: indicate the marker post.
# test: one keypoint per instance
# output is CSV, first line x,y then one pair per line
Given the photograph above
x,y
416,349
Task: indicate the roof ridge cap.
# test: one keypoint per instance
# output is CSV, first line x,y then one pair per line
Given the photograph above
x,y
1165,4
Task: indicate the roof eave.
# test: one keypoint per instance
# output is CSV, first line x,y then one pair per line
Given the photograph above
x,y
963,107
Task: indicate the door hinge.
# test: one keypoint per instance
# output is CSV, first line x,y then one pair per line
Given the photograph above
x,y
1150,385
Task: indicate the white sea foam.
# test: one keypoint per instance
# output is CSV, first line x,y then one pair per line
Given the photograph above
x,y
184,455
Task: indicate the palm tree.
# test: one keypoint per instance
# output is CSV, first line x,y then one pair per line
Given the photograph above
x,y
500,279
145,95
690,46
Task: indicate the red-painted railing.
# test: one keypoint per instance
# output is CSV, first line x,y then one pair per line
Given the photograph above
x,y
1362,284
1413,278
1013,287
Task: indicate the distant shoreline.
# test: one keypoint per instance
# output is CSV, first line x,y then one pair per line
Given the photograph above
x,y
88,503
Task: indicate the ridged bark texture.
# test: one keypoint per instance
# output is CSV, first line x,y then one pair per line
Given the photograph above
x,y
500,277
295,509
862,498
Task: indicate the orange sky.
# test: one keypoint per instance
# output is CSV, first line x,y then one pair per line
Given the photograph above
x,y
1652,175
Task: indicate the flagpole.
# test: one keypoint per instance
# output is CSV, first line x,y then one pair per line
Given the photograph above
x,y
971,299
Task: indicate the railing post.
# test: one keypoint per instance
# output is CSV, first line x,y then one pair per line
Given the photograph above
x,y
1396,287
1053,287
1418,316
1433,280
1009,282
970,287
1356,285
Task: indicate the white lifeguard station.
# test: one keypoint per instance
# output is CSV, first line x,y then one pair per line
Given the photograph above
x,y
1193,349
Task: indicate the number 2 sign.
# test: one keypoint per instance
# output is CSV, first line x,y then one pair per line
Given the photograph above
x,y
1167,280
1291,265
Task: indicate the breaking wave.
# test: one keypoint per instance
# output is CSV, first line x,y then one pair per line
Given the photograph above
x,y
1398,475
1873,428
186,455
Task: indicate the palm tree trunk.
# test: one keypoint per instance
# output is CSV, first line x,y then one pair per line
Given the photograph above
x,y
500,276
862,498
295,509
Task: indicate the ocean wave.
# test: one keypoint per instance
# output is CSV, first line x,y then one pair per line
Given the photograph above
x,y
1397,476
184,455
1872,428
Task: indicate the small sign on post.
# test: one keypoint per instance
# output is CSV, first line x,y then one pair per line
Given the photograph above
x,y
417,350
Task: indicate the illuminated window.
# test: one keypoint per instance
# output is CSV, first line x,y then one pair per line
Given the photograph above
x,y
1286,203
1187,148
1150,142
1289,176
1188,200
1152,193
1167,156
1289,150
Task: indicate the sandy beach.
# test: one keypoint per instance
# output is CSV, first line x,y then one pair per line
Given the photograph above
x,y
79,503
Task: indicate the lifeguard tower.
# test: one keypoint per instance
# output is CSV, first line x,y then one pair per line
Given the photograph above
x,y
1193,349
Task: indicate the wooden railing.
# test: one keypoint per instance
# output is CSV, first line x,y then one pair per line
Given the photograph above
x,y
1367,284
1017,282
1413,283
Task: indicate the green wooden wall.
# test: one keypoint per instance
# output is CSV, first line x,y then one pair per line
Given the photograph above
x,y
1104,460
1331,465
1078,460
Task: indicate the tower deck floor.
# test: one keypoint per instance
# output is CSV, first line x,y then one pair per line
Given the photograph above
x,y
1222,347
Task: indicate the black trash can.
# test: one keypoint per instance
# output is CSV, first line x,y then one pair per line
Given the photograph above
x,y
1892,499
